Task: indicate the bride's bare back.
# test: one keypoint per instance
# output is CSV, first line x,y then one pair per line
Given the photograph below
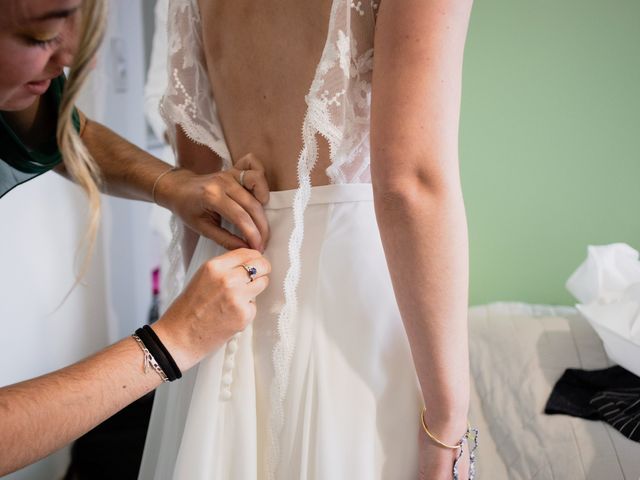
x,y
261,59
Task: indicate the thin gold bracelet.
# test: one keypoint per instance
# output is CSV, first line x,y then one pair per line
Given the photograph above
x,y
155,184
432,436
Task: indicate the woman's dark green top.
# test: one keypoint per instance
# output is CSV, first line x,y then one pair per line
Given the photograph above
x,y
19,163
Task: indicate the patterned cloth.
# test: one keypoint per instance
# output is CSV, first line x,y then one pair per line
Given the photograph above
x,y
611,395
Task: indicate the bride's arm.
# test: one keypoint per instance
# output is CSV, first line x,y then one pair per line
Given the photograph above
x,y
419,204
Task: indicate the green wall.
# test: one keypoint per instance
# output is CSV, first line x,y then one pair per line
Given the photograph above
x,y
550,141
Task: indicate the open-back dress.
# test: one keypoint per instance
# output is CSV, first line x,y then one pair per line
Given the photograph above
x,y
322,385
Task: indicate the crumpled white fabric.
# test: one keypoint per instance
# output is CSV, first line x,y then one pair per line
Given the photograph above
x,y
607,285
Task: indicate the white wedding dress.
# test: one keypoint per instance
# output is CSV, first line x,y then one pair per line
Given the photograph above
x,y
322,385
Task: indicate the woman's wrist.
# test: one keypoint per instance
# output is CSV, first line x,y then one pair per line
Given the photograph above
x,y
165,186
448,434
178,347
446,424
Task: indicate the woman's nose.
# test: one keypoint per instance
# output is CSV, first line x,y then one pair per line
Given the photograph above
x,y
69,44
63,57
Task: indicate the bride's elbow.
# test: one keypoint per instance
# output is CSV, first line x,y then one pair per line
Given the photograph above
x,y
414,189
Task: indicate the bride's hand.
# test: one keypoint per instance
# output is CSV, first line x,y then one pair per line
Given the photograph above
x,y
436,462
202,201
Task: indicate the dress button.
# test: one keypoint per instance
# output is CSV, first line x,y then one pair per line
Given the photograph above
x,y
225,394
232,346
227,379
229,363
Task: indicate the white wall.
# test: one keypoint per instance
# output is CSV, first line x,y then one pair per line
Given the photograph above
x,y
42,224
115,97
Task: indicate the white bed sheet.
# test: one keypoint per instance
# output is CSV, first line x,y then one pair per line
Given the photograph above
x,y
518,352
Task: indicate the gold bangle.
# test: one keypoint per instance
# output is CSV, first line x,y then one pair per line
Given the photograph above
x,y
432,437
155,184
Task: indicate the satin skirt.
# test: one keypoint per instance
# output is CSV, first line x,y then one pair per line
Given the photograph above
x,y
353,402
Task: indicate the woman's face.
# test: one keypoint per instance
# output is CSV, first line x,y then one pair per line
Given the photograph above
x,y
37,39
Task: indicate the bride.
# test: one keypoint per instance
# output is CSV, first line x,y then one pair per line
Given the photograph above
x,y
363,328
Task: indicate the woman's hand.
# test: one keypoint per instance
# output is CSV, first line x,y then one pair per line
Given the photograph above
x,y
217,303
202,201
40,416
436,462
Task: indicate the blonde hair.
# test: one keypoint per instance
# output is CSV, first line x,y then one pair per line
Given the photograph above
x,y
77,159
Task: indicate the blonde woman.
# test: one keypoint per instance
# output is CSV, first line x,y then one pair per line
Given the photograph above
x,y
37,39
358,365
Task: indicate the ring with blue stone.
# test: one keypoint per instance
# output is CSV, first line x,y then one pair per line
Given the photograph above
x,y
252,271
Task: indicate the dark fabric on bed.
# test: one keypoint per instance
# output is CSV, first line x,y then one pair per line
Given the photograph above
x,y
611,395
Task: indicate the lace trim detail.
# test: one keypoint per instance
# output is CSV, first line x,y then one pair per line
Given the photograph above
x,y
338,109
188,100
175,275
187,103
285,345
175,115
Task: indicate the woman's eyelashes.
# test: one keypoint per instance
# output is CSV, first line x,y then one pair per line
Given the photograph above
x,y
43,42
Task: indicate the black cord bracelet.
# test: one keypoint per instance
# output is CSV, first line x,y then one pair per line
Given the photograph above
x,y
159,352
156,353
172,362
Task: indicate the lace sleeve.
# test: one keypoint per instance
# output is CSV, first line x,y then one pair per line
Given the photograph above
x,y
188,100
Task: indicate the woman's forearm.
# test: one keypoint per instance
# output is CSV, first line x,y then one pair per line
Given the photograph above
x,y
424,235
127,171
39,416
415,110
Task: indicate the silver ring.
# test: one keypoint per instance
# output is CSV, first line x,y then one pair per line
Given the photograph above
x,y
252,271
242,172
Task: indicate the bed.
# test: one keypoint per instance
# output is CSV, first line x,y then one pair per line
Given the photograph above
x,y
518,351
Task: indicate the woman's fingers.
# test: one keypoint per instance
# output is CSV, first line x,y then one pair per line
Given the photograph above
x,y
235,258
221,236
241,275
249,162
236,214
255,288
256,183
254,178
233,263
255,210
240,205
229,200
217,302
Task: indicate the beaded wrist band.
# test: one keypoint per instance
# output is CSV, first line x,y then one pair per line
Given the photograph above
x,y
149,361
